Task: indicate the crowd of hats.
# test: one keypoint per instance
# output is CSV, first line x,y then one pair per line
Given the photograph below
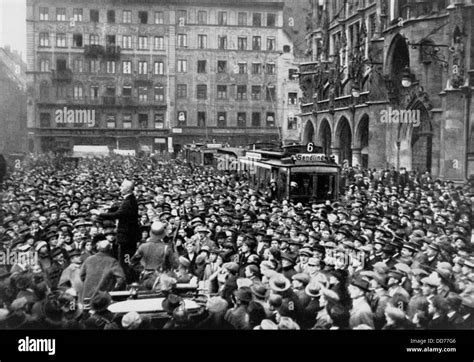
x,y
379,230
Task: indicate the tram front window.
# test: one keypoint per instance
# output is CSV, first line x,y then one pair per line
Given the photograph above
x,y
302,185
320,187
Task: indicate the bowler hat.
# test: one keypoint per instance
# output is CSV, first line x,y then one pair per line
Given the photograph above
x,y
301,277
244,294
290,257
184,261
278,283
131,319
171,303
216,305
51,308
232,267
431,280
313,289
268,324
100,301
259,290
360,283
56,252
396,314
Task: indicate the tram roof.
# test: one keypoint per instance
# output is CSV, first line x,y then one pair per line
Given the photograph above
x,y
232,150
289,163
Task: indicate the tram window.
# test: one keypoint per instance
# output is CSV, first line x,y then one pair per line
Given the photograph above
x,y
325,187
302,185
282,184
208,159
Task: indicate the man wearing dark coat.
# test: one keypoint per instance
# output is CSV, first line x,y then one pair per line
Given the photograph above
x,y
128,230
101,272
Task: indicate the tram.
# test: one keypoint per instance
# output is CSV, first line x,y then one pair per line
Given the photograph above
x,y
302,173
227,159
201,154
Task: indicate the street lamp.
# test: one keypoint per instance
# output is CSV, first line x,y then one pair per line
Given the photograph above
x,y
355,91
407,78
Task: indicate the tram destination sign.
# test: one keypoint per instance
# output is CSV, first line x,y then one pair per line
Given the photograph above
x,y
309,157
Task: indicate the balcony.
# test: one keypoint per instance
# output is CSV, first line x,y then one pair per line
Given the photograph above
x,y
61,76
112,52
143,80
94,51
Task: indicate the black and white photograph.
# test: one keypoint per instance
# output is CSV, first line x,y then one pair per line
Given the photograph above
x,y
203,165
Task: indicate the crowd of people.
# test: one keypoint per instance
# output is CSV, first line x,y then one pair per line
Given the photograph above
x,y
394,252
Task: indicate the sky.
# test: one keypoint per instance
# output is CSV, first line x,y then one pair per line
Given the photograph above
x,y
13,25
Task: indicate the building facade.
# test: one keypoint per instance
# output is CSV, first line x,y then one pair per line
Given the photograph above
x,y
390,84
13,128
152,75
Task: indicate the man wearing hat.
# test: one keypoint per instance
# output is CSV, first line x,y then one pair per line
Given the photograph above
x,y
361,313
304,255
128,230
238,316
432,254
290,305
396,280
231,270
70,277
101,272
299,282
246,251
100,317
380,296
288,265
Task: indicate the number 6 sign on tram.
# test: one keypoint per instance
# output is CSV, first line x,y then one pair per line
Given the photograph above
x,y
310,147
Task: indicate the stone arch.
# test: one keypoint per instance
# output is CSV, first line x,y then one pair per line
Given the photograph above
x,y
325,136
343,139
309,132
398,56
361,139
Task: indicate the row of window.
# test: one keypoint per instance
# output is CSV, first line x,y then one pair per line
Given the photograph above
x,y
158,41
256,119
159,92
182,121
111,121
142,17
223,92
143,67
142,93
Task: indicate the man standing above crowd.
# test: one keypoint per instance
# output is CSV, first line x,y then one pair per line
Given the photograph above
x,y
128,230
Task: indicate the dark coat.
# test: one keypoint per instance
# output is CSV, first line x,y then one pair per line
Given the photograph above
x,y
100,272
102,320
214,322
238,317
441,322
128,229
229,287
309,314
